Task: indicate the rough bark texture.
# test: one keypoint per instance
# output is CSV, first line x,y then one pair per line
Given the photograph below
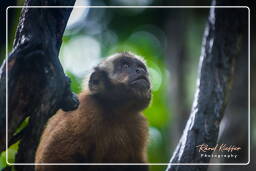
x,y
219,50
37,85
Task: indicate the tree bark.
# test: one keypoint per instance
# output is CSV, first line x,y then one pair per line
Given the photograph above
x,y
37,85
219,50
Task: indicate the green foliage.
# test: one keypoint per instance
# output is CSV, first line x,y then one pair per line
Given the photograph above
x,y
22,125
76,85
12,150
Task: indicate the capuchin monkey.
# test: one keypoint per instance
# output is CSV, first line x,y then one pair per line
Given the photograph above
x,y
108,126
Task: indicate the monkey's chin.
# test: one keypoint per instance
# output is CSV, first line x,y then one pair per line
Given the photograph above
x,y
141,92
140,84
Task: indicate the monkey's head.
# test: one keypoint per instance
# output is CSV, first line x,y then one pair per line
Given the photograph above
x,y
121,80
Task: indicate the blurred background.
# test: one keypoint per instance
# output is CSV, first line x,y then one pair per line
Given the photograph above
x,y
169,39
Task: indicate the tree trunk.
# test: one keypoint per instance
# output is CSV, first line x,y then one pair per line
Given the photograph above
x,y
219,49
37,85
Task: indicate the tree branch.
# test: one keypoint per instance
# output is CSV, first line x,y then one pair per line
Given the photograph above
x,y
37,85
219,49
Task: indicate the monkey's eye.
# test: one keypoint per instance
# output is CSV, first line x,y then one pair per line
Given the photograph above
x,y
95,82
125,65
141,69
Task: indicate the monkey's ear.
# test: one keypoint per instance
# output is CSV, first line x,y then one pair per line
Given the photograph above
x,y
96,84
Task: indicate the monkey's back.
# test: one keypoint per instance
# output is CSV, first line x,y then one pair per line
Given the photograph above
x,y
91,134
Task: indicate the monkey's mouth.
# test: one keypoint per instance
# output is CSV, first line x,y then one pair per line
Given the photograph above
x,y
141,81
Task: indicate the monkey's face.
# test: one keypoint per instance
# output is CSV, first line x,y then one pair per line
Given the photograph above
x,y
123,79
132,73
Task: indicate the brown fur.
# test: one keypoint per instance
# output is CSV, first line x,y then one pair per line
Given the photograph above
x,y
92,135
